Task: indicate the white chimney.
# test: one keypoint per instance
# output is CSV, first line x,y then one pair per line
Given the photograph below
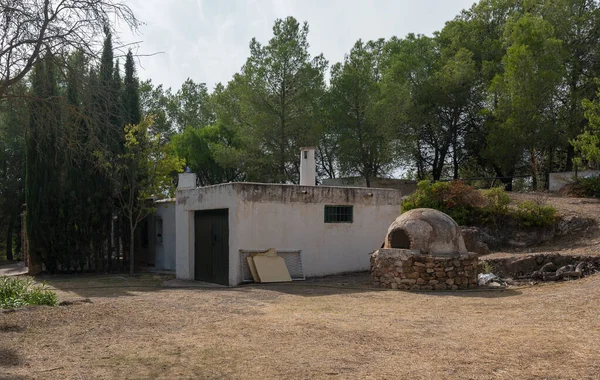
x,y
308,167
186,181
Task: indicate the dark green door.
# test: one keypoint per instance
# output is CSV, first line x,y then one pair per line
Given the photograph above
x,y
211,260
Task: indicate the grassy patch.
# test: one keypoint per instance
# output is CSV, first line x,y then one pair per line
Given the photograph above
x,y
17,292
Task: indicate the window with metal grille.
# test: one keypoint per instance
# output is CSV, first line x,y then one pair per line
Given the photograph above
x,y
338,214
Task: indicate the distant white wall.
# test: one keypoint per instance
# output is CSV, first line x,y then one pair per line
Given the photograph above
x,y
287,217
165,250
560,180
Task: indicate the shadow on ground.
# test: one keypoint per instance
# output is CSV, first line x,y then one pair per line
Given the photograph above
x,y
110,286
9,357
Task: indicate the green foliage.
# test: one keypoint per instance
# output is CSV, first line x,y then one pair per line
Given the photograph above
x,y
215,153
456,199
278,100
486,267
534,214
586,187
468,206
365,137
587,144
16,292
145,169
496,202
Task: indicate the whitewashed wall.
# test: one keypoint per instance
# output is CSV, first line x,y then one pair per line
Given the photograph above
x,y
288,217
560,180
165,252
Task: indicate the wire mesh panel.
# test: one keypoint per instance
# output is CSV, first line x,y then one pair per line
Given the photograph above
x,y
293,262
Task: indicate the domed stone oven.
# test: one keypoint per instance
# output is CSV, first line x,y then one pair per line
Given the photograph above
x,y
424,250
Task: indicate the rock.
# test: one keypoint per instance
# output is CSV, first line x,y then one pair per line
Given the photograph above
x,y
564,269
450,281
548,267
581,267
476,240
571,224
394,285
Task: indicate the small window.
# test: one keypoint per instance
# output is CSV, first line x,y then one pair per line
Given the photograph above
x,y
159,230
338,214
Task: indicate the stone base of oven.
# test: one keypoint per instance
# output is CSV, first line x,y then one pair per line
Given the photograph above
x,y
406,269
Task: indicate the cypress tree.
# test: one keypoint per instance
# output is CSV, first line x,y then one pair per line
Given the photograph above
x,y
45,210
131,95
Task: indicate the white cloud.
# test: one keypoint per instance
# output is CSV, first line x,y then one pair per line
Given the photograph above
x,y
207,40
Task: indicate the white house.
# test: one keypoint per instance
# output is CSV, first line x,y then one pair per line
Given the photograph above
x,y
331,229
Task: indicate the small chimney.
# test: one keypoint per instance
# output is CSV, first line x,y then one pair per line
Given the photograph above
x,y
187,180
308,167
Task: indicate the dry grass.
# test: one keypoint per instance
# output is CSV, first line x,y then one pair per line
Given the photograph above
x,y
137,329
328,328
584,243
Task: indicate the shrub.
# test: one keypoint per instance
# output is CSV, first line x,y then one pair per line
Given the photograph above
x,y
456,199
590,186
535,214
496,208
466,205
16,292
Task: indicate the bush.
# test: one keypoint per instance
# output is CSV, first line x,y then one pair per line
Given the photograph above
x,y
16,292
535,214
590,186
468,206
496,208
456,199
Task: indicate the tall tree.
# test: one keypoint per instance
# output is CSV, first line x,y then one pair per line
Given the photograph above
x,y
145,167
29,26
587,144
366,141
526,95
131,95
283,87
43,174
13,116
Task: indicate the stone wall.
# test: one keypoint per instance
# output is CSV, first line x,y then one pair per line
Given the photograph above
x,y
408,270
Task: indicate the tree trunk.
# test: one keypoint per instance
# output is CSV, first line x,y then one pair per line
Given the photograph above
x,y
570,156
9,235
131,248
506,180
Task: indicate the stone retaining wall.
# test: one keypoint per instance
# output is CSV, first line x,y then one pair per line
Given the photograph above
x,y
409,270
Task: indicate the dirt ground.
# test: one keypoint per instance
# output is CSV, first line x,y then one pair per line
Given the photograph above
x,y
329,328
585,243
337,327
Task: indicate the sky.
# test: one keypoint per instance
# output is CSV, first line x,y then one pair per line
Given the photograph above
x,y
208,40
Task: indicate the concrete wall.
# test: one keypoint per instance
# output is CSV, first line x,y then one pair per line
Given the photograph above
x,y
560,180
202,198
405,186
165,251
289,217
